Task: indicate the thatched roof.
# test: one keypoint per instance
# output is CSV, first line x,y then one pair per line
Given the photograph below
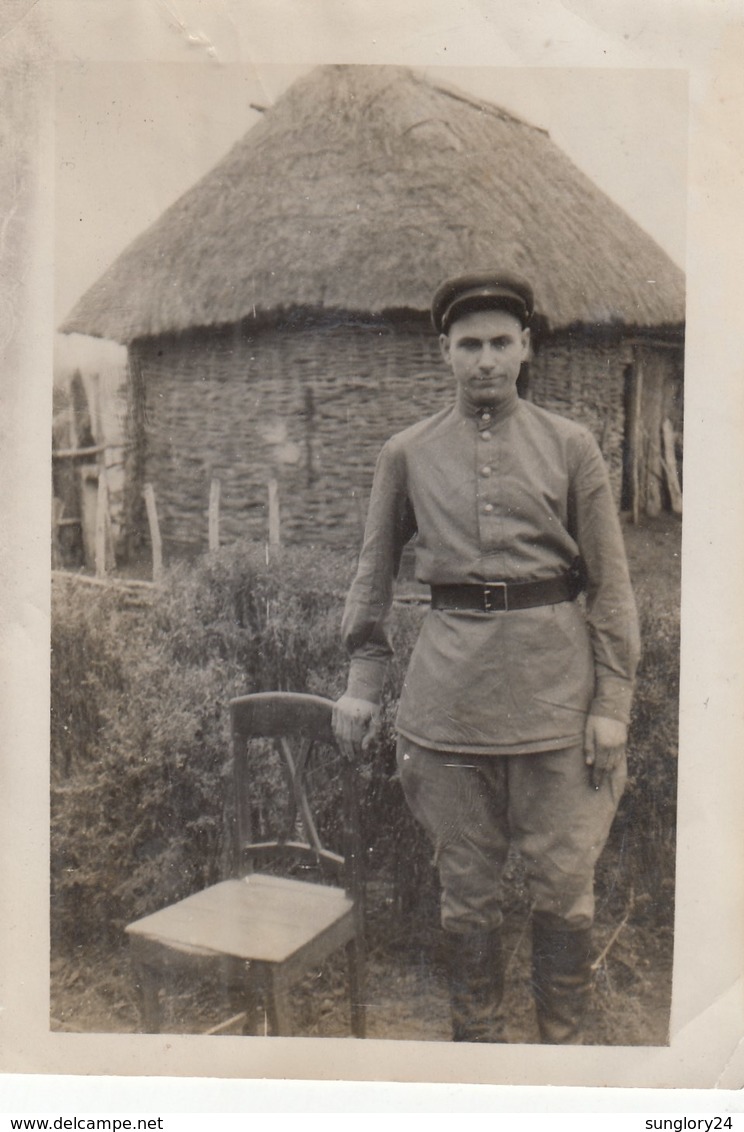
x,y
360,190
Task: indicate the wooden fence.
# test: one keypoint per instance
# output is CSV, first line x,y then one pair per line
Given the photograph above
x,y
94,518
97,518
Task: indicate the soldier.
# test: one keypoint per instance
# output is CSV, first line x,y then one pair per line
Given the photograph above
x,y
513,716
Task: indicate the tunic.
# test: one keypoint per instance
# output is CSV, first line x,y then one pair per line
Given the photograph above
x,y
514,494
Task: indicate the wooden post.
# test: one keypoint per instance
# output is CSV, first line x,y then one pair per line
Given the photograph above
x,y
214,515
96,409
155,539
101,516
669,463
635,436
653,382
58,510
89,512
274,520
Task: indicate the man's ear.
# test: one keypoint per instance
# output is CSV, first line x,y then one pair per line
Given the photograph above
x,y
444,346
526,342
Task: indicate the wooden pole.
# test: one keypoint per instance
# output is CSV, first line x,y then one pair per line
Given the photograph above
x,y
155,539
116,583
58,510
653,386
635,434
78,453
96,410
669,464
214,515
101,514
274,520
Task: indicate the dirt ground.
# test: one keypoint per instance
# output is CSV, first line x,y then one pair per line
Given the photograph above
x,y
406,996
406,988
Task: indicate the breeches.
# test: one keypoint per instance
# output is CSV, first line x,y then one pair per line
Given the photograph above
x,y
474,807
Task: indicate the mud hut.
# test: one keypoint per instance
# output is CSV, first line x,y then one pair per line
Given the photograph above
x,y
276,314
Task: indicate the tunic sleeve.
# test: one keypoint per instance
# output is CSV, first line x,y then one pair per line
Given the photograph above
x,y
390,525
611,610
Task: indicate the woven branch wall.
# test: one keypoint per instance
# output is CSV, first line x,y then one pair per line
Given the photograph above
x,y
586,381
311,408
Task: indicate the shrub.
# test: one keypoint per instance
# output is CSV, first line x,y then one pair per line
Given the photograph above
x,y
645,829
87,670
140,730
139,734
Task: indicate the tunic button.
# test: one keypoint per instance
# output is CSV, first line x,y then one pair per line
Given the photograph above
x,y
486,471
485,417
485,435
488,508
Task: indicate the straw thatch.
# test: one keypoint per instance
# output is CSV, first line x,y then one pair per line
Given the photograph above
x,y
358,191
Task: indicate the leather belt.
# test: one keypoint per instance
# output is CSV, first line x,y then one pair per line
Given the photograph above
x,y
500,597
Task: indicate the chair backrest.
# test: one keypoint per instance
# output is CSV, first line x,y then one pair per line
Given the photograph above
x,y
281,795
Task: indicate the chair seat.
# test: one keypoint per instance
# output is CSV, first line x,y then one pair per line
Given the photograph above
x,y
259,917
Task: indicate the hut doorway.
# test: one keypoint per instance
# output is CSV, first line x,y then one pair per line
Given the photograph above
x,y
652,440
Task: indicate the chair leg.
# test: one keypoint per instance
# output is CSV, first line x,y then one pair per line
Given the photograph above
x,y
148,986
280,1017
357,986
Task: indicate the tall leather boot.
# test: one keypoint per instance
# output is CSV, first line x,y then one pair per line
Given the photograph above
x,y
561,979
475,963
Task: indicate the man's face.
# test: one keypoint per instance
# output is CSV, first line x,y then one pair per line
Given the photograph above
x,y
485,350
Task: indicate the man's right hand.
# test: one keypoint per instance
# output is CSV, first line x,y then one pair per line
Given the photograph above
x,y
355,723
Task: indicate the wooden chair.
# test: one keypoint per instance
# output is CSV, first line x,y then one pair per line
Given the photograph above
x,y
265,929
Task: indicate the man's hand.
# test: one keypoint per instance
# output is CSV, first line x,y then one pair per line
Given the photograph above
x,y
355,723
604,744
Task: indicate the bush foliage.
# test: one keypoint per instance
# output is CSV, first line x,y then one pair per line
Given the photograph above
x,y
140,739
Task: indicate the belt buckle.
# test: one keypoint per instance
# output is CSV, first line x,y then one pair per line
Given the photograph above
x,y
487,607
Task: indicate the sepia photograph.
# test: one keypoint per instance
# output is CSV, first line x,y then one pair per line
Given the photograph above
x,y
370,642
368,448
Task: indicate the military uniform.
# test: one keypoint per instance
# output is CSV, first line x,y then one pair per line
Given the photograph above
x,y
509,505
